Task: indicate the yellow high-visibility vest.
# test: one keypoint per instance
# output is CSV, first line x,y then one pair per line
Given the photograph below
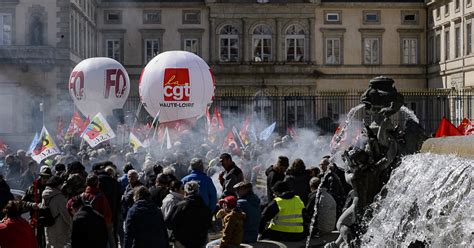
x,y
290,218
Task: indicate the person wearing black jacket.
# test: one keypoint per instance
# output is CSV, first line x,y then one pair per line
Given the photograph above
x,y
144,226
112,191
190,219
88,226
283,218
276,173
160,190
230,176
298,179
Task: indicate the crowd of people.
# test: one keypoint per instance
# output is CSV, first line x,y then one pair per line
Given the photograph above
x,y
121,197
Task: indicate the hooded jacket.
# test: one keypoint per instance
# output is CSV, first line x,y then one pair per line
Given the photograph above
x,y
59,234
190,220
250,205
233,229
273,177
145,227
299,184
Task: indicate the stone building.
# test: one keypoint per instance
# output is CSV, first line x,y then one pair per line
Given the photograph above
x,y
450,51
273,47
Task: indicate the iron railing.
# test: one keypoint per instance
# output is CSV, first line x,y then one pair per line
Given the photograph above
x,y
324,109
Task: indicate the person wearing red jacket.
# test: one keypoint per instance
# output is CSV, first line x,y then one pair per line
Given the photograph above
x,y
14,230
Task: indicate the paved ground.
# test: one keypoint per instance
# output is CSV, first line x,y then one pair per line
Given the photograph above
x,y
315,243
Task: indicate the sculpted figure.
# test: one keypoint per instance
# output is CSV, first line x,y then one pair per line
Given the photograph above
x,y
369,164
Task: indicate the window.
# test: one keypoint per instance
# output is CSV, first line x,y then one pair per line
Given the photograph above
x,y
152,48
446,45
332,17
191,17
446,9
5,29
113,16
438,13
113,49
262,43
333,51
457,47
456,5
151,17
468,38
191,45
229,44
468,3
410,17
371,17
438,48
295,39
371,51
410,51
191,40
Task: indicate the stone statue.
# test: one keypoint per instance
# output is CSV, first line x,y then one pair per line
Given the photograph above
x,y
377,153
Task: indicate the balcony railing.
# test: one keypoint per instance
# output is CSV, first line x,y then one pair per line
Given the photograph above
x,y
31,55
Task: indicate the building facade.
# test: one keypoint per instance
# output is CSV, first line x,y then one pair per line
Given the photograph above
x,y
255,47
450,51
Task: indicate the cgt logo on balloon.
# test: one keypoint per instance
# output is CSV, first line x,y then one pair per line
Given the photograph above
x,y
176,88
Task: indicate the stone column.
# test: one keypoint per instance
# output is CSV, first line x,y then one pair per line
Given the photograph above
x,y
312,40
245,41
213,50
279,41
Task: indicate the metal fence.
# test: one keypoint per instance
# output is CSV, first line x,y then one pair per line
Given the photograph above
x,y
324,109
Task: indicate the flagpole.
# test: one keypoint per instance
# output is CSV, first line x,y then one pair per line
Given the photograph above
x,y
137,113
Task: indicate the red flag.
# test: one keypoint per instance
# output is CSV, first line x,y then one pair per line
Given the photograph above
x,y
84,125
466,127
231,144
3,147
218,116
243,133
75,126
446,128
292,132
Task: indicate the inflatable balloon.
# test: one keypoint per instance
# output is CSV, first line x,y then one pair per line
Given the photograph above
x,y
99,85
177,84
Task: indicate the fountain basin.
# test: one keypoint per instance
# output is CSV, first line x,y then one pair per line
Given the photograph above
x,y
462,146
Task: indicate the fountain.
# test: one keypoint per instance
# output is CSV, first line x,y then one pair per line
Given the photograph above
x,y
369,164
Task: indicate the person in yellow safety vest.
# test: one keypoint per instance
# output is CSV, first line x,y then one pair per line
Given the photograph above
x,y
282,219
